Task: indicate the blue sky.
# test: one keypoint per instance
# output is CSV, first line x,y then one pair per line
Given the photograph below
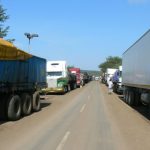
x,y
83,32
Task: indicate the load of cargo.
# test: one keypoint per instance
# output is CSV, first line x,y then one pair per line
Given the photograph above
x,y
136,72
22,76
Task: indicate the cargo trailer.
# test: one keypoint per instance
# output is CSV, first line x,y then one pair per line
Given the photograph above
x,y
22,76
136,72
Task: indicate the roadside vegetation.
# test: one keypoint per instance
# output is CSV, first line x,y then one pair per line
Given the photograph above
x,y
4,29
111,62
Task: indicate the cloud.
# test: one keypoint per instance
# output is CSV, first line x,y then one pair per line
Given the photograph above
x,y
138,1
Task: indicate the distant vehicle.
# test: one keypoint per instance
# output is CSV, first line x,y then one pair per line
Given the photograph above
x,y
136,71
117,80
86,77
109,74
22,76
79,76
97,78
59,79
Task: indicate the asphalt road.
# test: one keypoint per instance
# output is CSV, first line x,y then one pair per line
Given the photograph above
x,y
84,119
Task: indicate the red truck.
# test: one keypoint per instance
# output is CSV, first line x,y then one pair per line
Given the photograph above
x,y
79,76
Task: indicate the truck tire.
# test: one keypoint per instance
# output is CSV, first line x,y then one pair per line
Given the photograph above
x,y
74,86
65,90
26,104
36,105
137,99
115,88
69,88
130,98
13,108
126,96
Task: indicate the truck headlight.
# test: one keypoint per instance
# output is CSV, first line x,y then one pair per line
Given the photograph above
x,y
60,85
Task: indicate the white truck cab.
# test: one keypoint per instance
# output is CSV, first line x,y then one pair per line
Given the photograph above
x,y
55,70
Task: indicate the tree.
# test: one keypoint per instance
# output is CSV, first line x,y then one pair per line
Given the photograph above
x,y
70,66
3,18
111,62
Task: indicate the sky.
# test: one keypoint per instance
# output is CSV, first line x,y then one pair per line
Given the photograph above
x,y
82,32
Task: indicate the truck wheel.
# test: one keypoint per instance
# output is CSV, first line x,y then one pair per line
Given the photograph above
x,y
69,88
131,98
114,88
137,99
26,104
66,89
126,95
74,86
14,108
36,105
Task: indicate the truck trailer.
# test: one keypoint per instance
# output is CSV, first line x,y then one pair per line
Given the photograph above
x,y
22,76
136,72
79,76
117,81
59,79
109,74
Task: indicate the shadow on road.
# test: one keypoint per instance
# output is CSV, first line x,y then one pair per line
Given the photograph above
x,y
2,122
45,104
142,109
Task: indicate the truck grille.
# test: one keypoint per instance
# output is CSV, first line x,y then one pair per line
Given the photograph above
x,y
52,83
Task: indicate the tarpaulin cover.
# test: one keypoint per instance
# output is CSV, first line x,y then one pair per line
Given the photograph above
x,y
9,52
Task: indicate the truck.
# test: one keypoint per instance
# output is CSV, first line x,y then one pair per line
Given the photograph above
x,y
59,79
136,72
109,74
86,77
22,76
79,76
117,81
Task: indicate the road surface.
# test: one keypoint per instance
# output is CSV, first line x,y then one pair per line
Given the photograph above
x,y
84,119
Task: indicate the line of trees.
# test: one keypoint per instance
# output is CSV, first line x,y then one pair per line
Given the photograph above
x,y
111,62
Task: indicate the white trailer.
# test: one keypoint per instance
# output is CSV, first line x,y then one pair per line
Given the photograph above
x,y
109,74
136,71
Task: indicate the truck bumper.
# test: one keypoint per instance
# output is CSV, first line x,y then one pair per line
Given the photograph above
x,y
53,90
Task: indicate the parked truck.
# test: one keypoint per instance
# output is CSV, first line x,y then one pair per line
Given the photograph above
x,y
59,79
136,72
79,76
22,76
117,80
86,77
109,74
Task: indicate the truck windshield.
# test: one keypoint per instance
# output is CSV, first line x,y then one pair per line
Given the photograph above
x,y
58,73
